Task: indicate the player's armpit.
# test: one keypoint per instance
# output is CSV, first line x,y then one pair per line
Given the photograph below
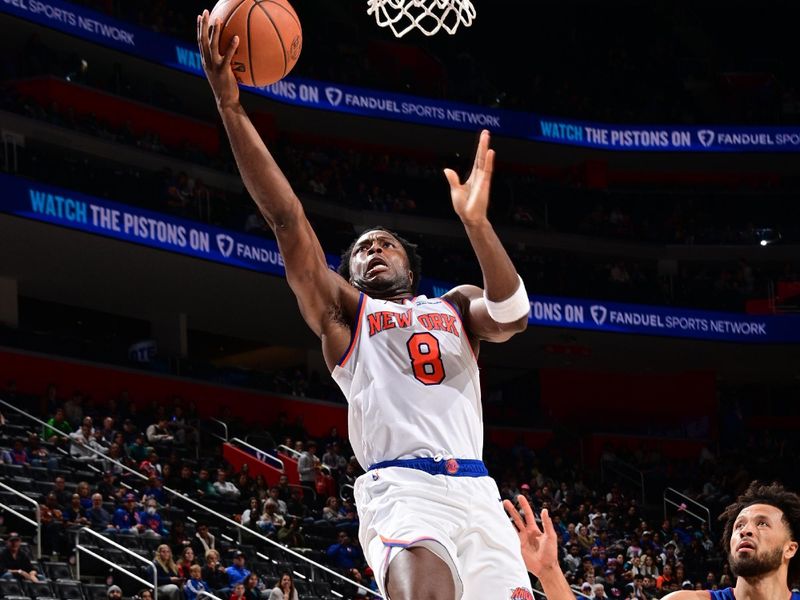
x,y
469,300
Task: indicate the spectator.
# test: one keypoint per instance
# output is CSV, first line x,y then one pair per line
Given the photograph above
x,y
664,580
296,506
213,572
14,563
99,517
308,465
85,493
203,541
153,526
251,513
251,587
155,490
126,518
334,460
158,434
204,487
270,521
83,445
144,594
343,554
114,592
185,484
224,488
194,583
331,510
284,588
238,592
107,487
106,435
137,450
237,571
179,538
52,519
186,562
275,495
290,534
75,514
598,592
38,455
167,578
57,428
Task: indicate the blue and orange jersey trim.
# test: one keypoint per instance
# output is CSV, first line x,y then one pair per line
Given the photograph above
x,y
355,329
390,543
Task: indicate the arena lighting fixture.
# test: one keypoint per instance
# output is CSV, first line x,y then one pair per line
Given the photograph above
x,y
766,236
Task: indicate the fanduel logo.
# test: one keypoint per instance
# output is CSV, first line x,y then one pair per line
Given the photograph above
x,y
599,313
225,244
706,137
334,95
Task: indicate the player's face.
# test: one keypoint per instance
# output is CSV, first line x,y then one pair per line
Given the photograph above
x,y
379,263
760,541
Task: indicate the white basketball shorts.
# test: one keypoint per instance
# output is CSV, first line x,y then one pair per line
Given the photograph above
x,y
460,519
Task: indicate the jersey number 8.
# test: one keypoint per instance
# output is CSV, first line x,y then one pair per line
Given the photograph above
x,y
426,359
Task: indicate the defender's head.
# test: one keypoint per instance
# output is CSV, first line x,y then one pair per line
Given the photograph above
x,y
761,532
382,264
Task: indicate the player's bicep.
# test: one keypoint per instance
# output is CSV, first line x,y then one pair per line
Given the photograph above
x,y
469,299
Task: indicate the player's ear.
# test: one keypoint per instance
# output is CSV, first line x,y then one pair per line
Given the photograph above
x,y
790,550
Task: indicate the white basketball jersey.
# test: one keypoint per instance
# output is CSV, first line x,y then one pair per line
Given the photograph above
x,y
412,383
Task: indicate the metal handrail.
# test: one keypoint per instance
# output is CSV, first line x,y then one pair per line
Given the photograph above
x,y
38,522
106,540
19,515
684,508
224,426
577,591
290,451
206,509
258,451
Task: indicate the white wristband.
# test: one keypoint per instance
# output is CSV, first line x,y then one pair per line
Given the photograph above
x,y
511,309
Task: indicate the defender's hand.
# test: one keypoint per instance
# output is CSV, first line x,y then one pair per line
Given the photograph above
x,y
217,66
539,546
471,198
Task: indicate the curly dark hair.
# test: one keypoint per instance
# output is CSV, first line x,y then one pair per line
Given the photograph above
x,y
414,259
774,495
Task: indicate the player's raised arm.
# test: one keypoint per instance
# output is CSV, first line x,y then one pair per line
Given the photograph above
x,y
319,291
540,549
501,309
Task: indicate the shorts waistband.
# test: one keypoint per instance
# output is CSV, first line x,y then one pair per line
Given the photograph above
x,y
452,467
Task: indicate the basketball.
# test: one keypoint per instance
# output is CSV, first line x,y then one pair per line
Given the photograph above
x,y
270,38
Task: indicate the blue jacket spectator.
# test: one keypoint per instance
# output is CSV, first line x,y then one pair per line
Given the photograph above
x,y
345,555
126,517
195,584
151,520
236,572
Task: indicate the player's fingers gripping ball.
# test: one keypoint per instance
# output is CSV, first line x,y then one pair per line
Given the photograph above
x,y
270,38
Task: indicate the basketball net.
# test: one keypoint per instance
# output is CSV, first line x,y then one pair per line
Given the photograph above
x,y
429,16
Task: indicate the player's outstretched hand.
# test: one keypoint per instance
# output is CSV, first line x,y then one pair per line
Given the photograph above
x,y
471,198
217,66
539,546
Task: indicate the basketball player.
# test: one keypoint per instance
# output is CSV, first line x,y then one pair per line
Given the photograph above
x,y
432,526
761,537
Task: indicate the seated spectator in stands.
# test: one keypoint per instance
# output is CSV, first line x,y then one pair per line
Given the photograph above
x,y
83,445
251,514
38,455
57,428
52,519
204,485
274,494
130,432
151,520
144,594
99,517
238,592
649,568
179,538
114,593
75,514
214,573
290,534
185,484
331,511
252,585
126,517
114,456
151,466
14,563
270,521
85,492
237,571
154,489
18,454
108,488
343,554
260,488
284,490
167,578
203,541
186,562
296,507
245,484
137,450
224,488
106,435
63,495
194,583
284,588
334,460
158,434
